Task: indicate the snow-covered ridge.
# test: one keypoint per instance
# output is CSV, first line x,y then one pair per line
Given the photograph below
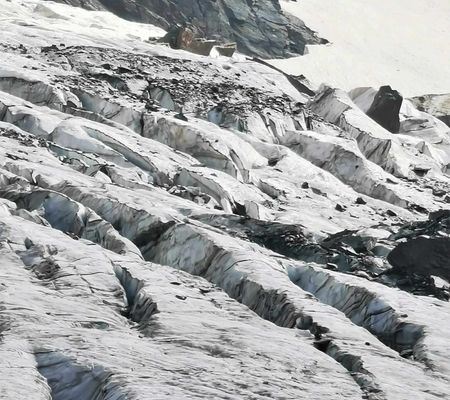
x,y
177,226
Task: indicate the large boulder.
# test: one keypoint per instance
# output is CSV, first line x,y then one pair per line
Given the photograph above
x,y
386,107
259,28
423,256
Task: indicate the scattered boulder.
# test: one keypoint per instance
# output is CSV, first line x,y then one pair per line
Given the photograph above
x,y
361,201
187,38
226,50
181,116
179,37
340,208
385,108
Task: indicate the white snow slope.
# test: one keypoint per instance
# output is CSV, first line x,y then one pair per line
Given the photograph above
x,y
44,21
403,43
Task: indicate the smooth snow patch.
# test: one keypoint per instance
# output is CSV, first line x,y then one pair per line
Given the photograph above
x,y
404,43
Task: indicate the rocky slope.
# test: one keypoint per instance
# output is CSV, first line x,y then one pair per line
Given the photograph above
x,y
436,105
259,28
179,226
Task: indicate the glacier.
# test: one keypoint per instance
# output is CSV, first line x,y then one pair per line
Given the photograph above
x,y
182,226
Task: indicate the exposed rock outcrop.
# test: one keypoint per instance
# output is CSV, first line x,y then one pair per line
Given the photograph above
x,y
385,108
259,28
437,105
424,256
